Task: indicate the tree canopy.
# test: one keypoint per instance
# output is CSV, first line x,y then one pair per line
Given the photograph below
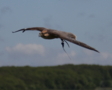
x,y
72,77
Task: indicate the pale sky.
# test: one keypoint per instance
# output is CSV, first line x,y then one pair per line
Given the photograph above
x,y
89,20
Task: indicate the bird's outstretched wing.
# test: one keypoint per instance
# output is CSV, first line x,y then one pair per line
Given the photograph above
x,y
32,28
81,44
68,37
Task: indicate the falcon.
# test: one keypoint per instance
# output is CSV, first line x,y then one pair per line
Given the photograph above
x,y
52,34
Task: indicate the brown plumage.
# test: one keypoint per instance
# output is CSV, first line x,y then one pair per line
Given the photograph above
x,y
52,34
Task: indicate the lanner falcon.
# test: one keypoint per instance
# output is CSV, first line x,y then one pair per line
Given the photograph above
x,y
52,34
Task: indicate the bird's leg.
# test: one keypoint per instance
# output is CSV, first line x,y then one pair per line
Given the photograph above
x,y
62,43
67,43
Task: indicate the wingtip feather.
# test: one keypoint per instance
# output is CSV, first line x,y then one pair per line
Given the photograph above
x,y
97,51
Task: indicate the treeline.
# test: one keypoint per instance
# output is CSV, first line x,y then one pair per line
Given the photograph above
x,y
64,77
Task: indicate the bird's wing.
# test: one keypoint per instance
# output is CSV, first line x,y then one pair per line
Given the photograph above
x,y
66,36
32,28
81,44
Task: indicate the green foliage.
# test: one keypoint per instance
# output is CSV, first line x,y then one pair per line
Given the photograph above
x,y
72,77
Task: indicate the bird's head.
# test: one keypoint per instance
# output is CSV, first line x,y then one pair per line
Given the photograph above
x,y
43,34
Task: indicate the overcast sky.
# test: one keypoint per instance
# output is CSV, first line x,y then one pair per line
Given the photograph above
x,y
89,20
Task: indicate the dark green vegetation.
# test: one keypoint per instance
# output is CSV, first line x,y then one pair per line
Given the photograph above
x,y
65,77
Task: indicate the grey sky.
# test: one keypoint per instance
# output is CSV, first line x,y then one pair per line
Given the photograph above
x,y
89,20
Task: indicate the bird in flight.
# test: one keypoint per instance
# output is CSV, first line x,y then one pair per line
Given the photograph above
x,y
52,34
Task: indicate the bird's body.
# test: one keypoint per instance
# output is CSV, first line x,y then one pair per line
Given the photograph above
x,y
46,35
52,34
